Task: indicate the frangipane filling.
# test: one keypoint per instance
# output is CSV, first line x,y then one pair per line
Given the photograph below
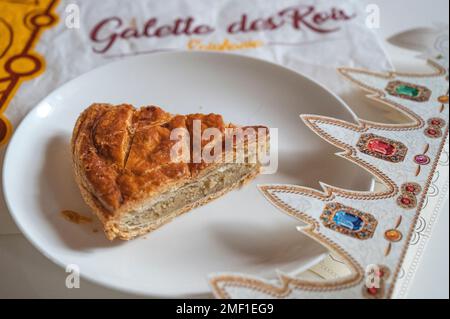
x,y
170,203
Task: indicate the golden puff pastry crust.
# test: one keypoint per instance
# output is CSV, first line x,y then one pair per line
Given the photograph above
x,y
122,159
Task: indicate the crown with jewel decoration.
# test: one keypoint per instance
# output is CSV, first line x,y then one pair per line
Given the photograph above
x,y
369,232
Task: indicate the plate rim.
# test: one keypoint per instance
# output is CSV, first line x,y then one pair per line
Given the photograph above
x,y
33,110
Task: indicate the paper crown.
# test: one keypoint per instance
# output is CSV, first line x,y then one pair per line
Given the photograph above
x,y
369,231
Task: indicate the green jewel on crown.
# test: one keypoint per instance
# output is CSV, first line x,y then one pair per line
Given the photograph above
x,y
407,90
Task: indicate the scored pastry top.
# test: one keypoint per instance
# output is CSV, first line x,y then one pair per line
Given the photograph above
x,y
123,154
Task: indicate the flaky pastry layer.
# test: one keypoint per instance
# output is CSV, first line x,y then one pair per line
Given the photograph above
x,y
122,164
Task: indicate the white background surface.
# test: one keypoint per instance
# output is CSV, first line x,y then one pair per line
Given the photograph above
x,y
25,273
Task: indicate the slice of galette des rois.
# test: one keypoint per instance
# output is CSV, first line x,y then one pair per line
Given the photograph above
x,y
138,169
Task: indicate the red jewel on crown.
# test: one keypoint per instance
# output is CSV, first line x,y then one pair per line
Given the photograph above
x,y
411,188
373,291
405,201
436,121
382,148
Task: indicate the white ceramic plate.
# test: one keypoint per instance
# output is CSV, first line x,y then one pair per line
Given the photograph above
x,y
238,232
